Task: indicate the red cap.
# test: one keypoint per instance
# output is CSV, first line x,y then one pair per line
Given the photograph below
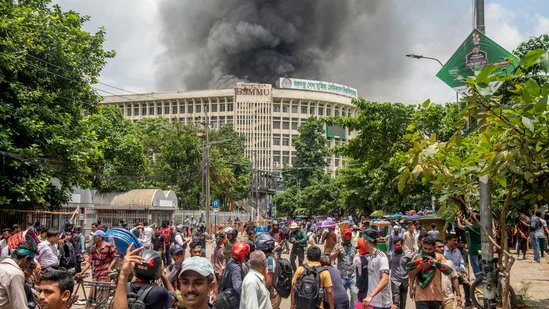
x,y
361,244
347,231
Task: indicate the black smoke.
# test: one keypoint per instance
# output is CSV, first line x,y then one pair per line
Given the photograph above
x,y
215,43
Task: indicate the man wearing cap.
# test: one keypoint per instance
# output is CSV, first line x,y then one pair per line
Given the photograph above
x,y
12,278
196,282
173,271
345,253
298,238
101,259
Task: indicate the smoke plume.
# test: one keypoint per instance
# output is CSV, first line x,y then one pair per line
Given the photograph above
x,y
215,43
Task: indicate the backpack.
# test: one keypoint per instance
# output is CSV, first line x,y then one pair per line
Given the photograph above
x,y
308,293
227,297
137,301
68,256
362,280
284,280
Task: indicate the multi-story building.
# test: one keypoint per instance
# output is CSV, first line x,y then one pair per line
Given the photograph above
x,y
268,117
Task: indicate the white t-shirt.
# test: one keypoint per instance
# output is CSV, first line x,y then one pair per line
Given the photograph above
x,y
541,231
378,264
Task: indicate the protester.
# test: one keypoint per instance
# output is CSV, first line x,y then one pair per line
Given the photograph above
x,y
167,232
393,237
536,233
196,282
448,300
266,243
55,289
254,291
379,290
433,232
304,278
101,260
48,252
426,270
230,286
330,240
146,266
231,234
474,248
360,264
452,253
179,241
12,278
4,248
345,253
218,256
409,243
79,247
341,299
298,239
399,275
196,249
279,236
523,226
200,237
173,271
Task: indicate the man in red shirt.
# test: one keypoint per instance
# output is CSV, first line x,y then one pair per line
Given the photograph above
x,y
166,231
102,259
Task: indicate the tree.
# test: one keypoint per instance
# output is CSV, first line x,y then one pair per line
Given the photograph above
x,y
121,159
47,66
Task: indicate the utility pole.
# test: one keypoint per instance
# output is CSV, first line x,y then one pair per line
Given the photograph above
x,y
207,166
485,192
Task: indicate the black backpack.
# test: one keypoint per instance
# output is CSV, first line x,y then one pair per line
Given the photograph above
x,y
362,280
137,300
308,293
227,297
284,279
67,259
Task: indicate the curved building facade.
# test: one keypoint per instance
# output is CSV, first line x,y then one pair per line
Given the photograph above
x,y
267,117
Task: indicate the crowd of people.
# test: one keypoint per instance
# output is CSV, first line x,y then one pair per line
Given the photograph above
x,y
335,266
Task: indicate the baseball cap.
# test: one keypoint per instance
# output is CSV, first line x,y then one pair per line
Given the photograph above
x,y
199,264
177,250
98,233
347,231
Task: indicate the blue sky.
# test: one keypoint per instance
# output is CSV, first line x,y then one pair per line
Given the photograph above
x,y
431,27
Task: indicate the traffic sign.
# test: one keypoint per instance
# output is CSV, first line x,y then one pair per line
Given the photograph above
x,y
216,204
474,53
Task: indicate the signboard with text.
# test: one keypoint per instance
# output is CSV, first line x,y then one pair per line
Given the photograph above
x,y
315,85
474,53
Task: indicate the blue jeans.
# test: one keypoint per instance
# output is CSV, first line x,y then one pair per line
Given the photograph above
x,y
350,283
534,241
474,260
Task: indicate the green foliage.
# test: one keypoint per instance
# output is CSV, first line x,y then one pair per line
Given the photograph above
x,y
47,65
121,159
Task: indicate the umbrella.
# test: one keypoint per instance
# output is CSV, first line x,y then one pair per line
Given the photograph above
x,y
327,224
377,213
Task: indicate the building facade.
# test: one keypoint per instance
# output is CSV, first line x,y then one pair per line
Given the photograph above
x,y
268,117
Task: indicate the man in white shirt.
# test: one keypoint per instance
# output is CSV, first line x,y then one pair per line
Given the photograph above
x,y
48,254
145,234
409,242
254,291
12,278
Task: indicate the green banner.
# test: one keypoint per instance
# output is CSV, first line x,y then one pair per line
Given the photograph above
x,y
474,53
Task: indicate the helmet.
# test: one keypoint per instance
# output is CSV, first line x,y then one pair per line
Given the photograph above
x,y
240,251
231,231
274,222
201,225
179,228
264,242
151,268
250,230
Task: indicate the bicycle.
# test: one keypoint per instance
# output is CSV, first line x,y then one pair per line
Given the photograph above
x,y
477,289
106,302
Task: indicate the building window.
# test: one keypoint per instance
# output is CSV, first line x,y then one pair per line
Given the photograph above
x,y
276,141
337,162
312,110
143,109
276,161
276,108
174,108
328,111
321,110
198,107
286,125
222,107
182,107
329,161
294,160
136,109
295,125
285,141
190,108
285,108
276,124
304,109
159,108
294,109
166,108
214,108
151,108
336,111
129,110
286,160
229,107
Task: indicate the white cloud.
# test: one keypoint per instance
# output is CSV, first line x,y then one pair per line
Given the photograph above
x,y
501,26
542,25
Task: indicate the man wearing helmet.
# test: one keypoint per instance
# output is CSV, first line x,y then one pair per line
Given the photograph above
x,y
146,266
231,234
266,243
200,237
230,286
